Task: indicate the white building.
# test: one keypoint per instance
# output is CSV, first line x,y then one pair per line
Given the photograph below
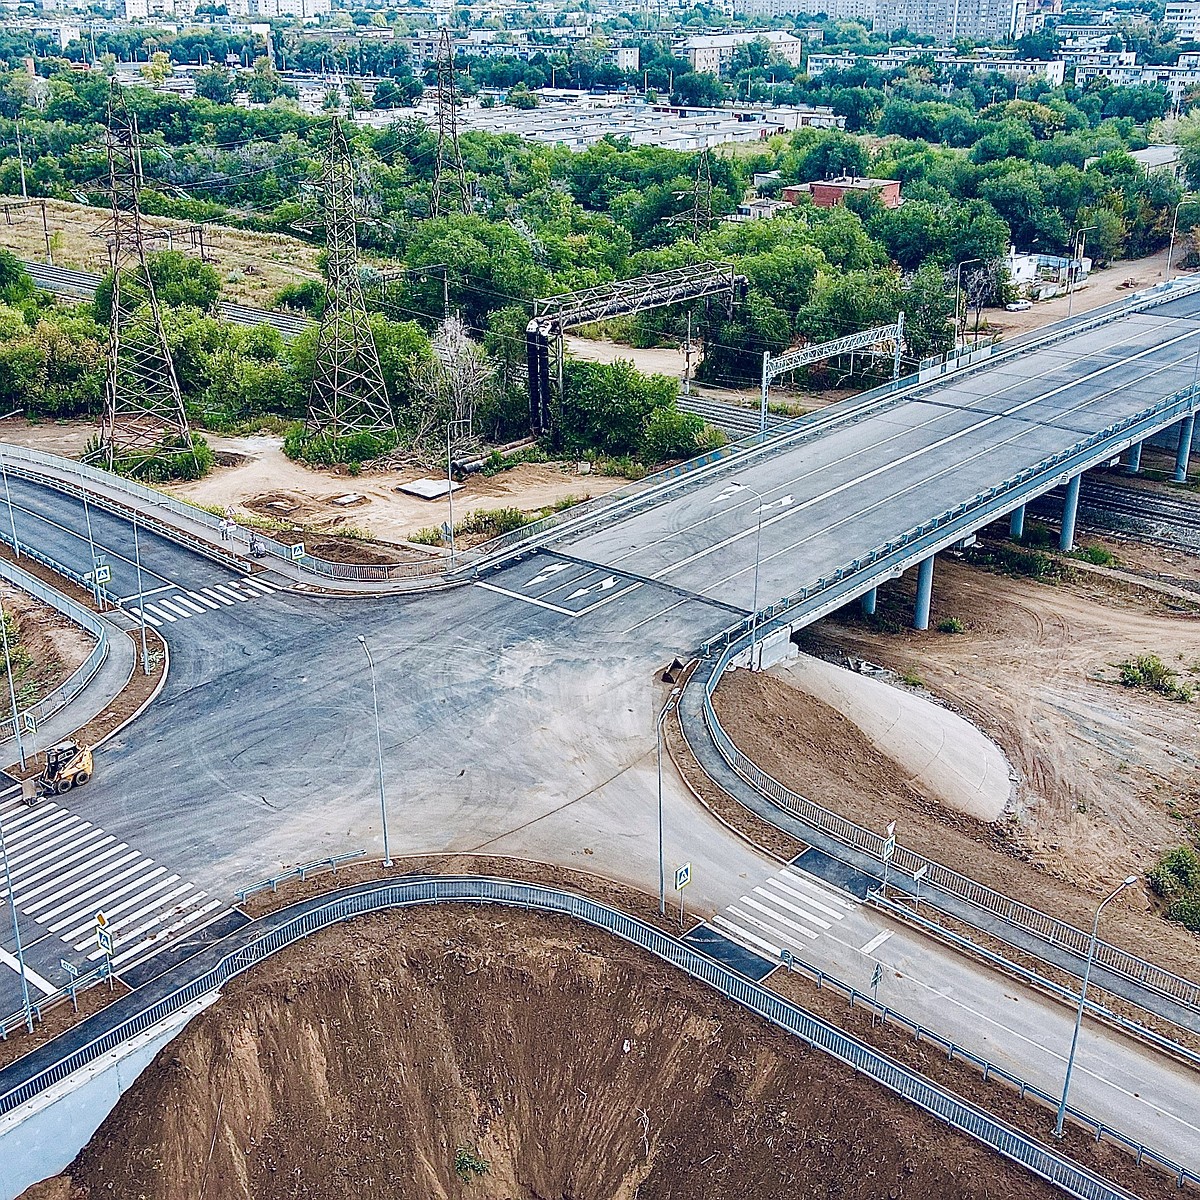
x,y
1184,19
836,10
947,20
710,52
1053,70
1176,80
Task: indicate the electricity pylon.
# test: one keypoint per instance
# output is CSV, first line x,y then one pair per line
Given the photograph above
x,y
348,394
449,174
143,415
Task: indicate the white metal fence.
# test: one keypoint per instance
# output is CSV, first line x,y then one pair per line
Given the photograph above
x,y
955,1112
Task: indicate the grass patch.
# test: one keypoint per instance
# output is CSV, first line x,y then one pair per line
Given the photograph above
x,y
912,678
468,1165
1038,535
1098,556
1175,878
950,625
1150,673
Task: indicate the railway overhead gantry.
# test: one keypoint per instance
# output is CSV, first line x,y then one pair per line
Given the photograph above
x,y
556,314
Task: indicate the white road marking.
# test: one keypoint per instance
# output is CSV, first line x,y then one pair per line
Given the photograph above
x,y
42,985
217,596
137,612
748,940
204,600
158,612
876,942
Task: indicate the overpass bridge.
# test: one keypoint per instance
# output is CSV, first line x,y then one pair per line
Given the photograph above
x,y
836,504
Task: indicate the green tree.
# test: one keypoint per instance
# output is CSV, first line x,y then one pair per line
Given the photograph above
x,y
607,406
216,84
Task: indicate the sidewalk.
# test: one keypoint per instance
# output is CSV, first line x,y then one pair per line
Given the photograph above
x,y
101,690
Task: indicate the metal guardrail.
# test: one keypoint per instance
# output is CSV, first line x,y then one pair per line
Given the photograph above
x,y
905,861
20,458
29,719
1100,1130
301,872
39,1006
960,1115
952,524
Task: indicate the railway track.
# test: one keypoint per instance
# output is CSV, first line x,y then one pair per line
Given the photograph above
x,y
64,281
1108,507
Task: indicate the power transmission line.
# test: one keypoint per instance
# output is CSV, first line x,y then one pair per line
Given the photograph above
x,y
348,394
143,409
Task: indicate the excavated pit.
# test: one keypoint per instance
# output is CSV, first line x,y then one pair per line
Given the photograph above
x,y
373,1059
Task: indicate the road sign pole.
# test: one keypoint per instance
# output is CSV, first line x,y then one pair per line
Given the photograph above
x,y
683,876
889,849
87,517
662,872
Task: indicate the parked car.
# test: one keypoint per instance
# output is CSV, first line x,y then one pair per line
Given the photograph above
x,y
1019,306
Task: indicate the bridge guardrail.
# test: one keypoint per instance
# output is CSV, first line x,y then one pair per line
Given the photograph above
x,y
81,676
905,861
960,1115
20,458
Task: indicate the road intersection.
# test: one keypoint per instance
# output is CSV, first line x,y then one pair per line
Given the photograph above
x,y
518,712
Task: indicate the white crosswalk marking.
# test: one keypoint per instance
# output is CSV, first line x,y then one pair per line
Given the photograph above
x,y
180,603
788,911
65,870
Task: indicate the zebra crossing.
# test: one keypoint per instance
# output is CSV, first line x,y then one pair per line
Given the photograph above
x,y
180,603
789,911
64,870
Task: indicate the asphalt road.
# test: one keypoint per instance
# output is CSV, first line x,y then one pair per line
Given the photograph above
x,y
518,713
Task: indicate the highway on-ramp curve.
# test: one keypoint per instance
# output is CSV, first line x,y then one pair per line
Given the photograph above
x,y
518,713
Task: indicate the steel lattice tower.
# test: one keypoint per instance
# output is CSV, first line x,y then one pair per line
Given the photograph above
x,y
143,409
448,170
702,213
348,394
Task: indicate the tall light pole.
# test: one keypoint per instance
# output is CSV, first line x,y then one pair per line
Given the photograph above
x,y
137,561
662,869
87,517
387,854
1128,881
730,490
1078,244
1171,243
966,262
12,516
12,687
26,1006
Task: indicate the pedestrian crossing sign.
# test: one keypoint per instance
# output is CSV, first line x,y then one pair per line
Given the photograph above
x,y
297,551
103,574
104,937
683,876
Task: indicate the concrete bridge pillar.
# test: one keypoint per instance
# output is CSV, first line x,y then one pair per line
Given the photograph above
x,y
1066,540
1016,524
868,602
1183,451
1133,460
924,594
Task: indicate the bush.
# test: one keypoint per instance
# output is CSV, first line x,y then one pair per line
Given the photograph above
x,y
608,405
672,433
320,450
1177,873
1030,563
1148,671
172,461
492,522
950,625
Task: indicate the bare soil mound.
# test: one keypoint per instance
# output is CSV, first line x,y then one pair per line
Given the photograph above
x,y
437,1054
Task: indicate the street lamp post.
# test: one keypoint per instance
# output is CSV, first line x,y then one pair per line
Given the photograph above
x,y
12,687
662,870
26,1006
966,262
12,516
1079,241
730,490
387,854
1128,881
137,561
1171,243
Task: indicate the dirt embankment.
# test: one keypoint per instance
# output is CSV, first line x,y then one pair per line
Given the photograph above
x,y
540,1058
48,647
1108,774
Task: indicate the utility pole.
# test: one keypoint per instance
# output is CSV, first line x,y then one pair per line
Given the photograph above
x,y
143,414
702,214
448,169
687,359
21,160
348,393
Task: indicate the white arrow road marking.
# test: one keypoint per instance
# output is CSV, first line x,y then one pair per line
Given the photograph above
x,y
605,585
547,572
782,502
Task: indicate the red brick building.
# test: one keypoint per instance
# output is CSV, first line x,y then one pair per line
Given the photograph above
x,y
826,193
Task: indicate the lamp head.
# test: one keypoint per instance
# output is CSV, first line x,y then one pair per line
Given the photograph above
x,y
1130,880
